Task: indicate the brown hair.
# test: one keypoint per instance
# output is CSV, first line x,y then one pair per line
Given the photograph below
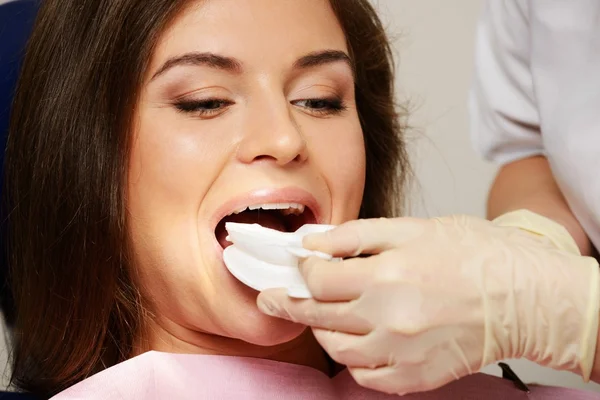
x,y
66,169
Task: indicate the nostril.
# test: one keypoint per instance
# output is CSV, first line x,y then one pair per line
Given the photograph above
x,y
280,160
264,158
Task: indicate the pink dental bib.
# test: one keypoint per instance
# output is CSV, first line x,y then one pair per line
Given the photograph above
x,y
155,375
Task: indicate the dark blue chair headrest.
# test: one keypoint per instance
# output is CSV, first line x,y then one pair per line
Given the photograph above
x,y
16,396
16,21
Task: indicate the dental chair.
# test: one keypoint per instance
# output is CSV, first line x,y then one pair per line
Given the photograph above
x,y
16,21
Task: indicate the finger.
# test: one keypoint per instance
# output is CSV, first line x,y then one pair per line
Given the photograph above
x,y
310,312
383,380
394,380
337,281
351,350
365,236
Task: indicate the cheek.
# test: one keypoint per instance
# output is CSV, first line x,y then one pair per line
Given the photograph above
x,y
348,179
340,154
347,174
171,168
172,165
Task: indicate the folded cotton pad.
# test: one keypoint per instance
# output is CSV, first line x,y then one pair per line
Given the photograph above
x,y
264,258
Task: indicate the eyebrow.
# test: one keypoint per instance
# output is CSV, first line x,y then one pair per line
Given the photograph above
x,y
201,59
319,58
232,65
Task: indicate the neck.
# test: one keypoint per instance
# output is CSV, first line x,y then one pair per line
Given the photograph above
x,y
303,350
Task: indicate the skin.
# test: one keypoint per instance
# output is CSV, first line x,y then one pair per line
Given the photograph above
x,y
260,136
529,184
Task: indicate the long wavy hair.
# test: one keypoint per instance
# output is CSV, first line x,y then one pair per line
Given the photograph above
x,y
78,310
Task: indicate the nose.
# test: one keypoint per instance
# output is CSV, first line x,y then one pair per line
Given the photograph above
x,y
271,133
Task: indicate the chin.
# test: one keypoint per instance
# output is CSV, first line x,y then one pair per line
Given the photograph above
x,y
252,326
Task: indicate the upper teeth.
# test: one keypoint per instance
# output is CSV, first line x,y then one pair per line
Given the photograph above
x,y
286,208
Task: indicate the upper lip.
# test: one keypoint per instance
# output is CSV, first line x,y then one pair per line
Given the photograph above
x,y
269,196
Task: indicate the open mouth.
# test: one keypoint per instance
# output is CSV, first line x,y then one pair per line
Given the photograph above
x,y
284,217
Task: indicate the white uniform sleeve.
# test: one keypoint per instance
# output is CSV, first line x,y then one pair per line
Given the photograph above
x,y
504,118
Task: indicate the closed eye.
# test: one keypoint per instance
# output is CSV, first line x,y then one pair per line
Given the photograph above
x,y
206,108
322,106
209,108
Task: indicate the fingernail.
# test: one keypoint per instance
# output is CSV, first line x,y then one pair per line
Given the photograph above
x,y
267,307
299,252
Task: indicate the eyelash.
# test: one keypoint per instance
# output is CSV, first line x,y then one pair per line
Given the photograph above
x,y
212,107
324,106
202,108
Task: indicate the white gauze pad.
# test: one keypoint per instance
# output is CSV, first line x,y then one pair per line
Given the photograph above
x,y
264,258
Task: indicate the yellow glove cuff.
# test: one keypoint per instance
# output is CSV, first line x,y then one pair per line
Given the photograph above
x,y
539,225
560,237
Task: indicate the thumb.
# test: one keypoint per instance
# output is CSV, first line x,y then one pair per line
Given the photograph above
x,y
363,236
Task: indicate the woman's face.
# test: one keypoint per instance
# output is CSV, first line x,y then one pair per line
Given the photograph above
x,y
247,103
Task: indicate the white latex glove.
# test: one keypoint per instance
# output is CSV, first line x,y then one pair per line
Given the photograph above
x,y
440,299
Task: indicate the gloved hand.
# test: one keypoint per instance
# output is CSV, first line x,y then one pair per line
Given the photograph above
x,y
440,299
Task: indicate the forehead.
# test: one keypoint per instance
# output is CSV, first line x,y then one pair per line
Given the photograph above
x,y
253,31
